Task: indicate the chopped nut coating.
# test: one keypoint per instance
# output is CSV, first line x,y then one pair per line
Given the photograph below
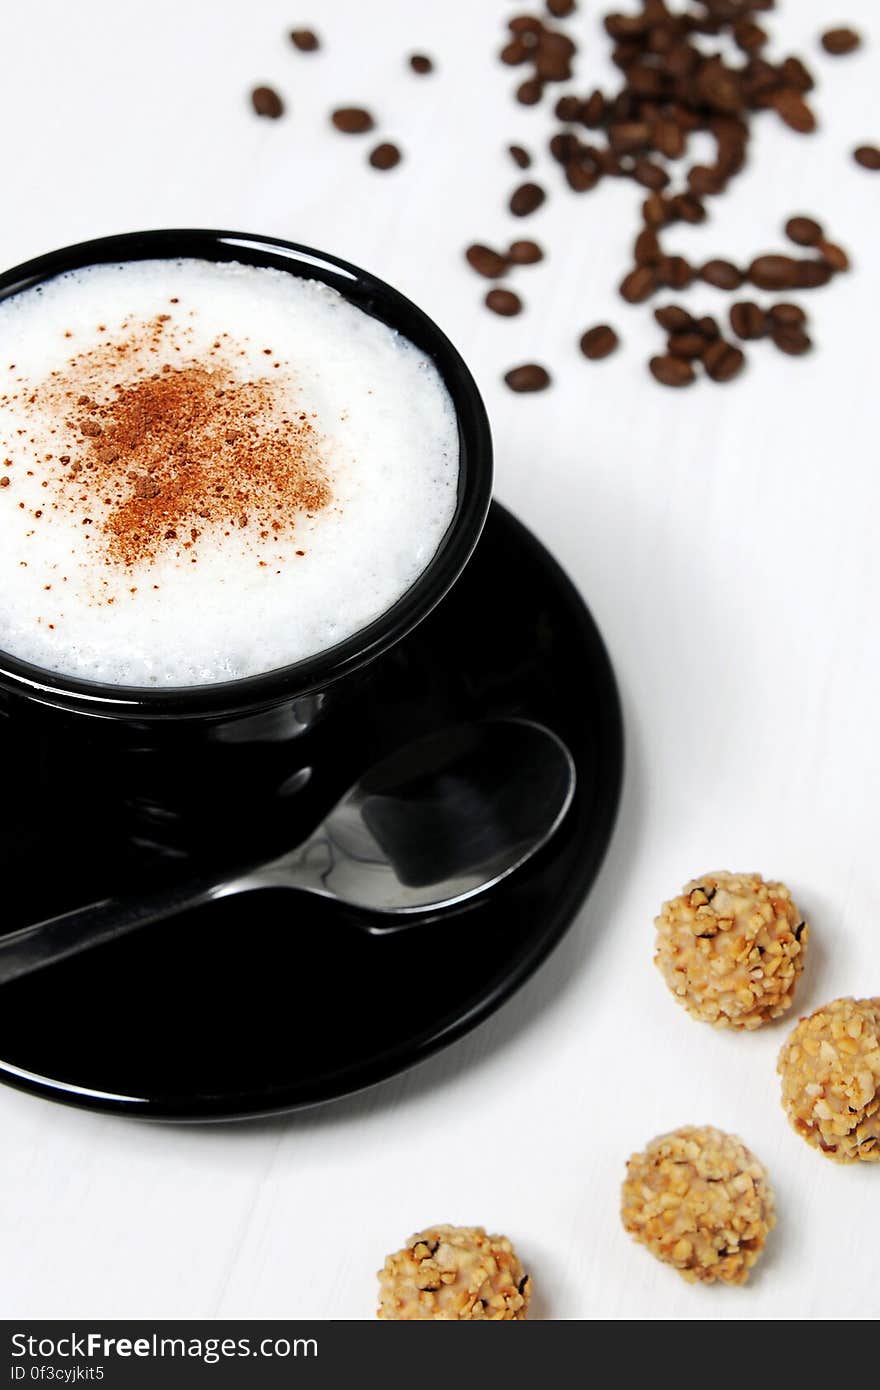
x,y
731,949
454,1273
830,1069
700,1201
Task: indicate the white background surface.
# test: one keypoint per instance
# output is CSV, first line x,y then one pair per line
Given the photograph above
x,y
725,539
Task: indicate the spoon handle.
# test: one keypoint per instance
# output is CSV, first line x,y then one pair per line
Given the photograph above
x,y
31,948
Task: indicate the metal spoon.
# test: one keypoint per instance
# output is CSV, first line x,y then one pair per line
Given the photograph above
x,y
428,827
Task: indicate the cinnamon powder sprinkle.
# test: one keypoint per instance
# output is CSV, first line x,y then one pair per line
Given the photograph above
x,y
171,455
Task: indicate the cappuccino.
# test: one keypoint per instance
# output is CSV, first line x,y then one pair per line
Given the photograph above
x,y
208,471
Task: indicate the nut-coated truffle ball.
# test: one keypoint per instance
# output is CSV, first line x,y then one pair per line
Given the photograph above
x,y
701,1202
830,1069
731,949
454,1273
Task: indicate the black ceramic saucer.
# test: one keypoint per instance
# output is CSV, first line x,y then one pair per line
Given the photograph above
x,y
274,1001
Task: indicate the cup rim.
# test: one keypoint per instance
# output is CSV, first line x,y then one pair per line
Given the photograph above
x,y
247,694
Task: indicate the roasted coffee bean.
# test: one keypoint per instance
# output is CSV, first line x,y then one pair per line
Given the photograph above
x,y
840,41
724,275
811,275
421,64
485,261
526,199
267,102
352,120
564,146
749,36
638,285
803,231
647,248
599,342
675,272
686,208
526,24
529,377
654,210
514,53
668,139
581,175
385,156
833,255
748,320
688,344
786,315
629,137
305,40
708,326
520,157
529,93
673,318
503,302
868,156
723,361
791,339
524,253
795,74
773,272
560,9
704,181
568,109
793,110
593,110
650,175
672,371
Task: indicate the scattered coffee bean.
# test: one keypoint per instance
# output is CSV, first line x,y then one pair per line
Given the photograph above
x,y
674,272
560,9
773,272
529,377
811,275
868,156
671,371
599,342
791,106
787,315
708,326
833,255
791,339
688,343
305,40
385,156
503,302
485,261
529,93
352,120
673,318
647,247
524,253
724,275
520,157
840,41
267,102
421,64
526,199
723,361
748,320
803,231
639,284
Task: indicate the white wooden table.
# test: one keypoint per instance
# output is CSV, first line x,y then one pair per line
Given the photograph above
x,y
726,541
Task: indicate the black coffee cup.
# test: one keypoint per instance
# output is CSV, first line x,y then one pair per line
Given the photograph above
x,y
192,767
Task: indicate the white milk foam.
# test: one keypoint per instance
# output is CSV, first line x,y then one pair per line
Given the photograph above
x,y
384,434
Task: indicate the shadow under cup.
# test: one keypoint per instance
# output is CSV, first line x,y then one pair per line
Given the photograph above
x,y
221,769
